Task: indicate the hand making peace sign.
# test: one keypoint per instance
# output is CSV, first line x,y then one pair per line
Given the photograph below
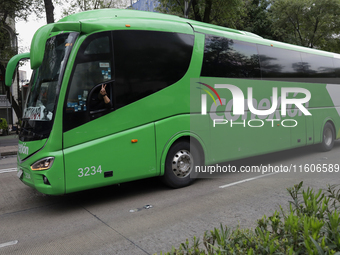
x,y
103,91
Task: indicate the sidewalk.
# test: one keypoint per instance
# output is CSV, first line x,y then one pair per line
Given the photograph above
x,y
8,145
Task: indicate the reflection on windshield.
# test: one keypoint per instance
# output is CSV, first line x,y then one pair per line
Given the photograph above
x,y
44,88
42,106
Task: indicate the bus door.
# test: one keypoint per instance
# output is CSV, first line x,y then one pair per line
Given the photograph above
x,y
102,145
101,151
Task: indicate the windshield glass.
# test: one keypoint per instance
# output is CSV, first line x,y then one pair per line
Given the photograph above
x,y
43,92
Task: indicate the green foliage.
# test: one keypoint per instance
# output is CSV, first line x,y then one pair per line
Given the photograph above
x,y
3,124
11,9
6,50
256,19
310,226
16,8
310,23
221,12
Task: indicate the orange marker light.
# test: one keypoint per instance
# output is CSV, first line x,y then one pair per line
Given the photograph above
x,y
272,45
127,25
134,140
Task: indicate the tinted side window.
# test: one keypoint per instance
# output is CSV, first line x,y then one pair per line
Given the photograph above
x,y
93,65
280,63
148,61
225,57
317,66
98,45
336,63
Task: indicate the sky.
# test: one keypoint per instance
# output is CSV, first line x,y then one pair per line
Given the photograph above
x,y
26,30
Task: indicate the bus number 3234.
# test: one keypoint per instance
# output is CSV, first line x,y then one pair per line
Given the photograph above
x,y
88,171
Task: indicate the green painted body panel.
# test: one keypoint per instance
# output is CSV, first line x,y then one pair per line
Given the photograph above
x,y
135,24
85,153
28,148
38,45
99,15
228,142
146,110
128,161
55,174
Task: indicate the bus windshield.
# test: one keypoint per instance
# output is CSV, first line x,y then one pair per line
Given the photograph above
x,y
44,88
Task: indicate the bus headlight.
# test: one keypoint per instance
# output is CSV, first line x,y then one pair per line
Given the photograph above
x,y
43,164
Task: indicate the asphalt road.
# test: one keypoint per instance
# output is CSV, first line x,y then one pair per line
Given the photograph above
x,y
113,220
8,140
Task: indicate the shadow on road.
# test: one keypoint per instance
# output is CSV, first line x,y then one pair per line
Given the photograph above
x,y
126,191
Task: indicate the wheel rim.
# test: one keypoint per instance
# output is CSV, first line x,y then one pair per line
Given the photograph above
x,y
328,136
182,163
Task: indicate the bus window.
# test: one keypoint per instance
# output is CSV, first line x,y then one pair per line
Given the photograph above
x,y
230,58
336,63
148,61
280,64
318,66
93,66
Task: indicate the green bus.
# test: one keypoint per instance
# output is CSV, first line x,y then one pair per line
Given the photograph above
x,y
173,84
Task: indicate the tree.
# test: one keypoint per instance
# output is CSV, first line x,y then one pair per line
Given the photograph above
x,y
49,8
44,9
221,12
9,10
257,19
17,9
85,5
310,23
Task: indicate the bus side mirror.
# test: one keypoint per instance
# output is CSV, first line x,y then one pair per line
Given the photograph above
x,y
12,65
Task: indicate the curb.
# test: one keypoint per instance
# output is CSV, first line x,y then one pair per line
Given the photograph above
x,y
8,153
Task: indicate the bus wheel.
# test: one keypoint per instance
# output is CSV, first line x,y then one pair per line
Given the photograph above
x,y
328,137
179,164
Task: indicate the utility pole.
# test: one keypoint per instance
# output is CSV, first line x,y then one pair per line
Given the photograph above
x,y
186,6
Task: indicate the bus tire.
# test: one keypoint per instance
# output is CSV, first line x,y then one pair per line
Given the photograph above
x,y
328,137
179,164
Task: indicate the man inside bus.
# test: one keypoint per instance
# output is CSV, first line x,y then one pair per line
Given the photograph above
x,y
103,101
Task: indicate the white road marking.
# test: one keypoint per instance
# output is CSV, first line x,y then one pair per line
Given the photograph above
x,y
246,180
8,243
8,170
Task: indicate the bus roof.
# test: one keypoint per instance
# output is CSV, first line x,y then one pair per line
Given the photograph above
x,y
104,19
100,14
